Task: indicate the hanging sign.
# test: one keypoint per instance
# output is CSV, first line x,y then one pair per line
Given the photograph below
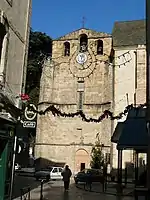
x,y
29,124
29,113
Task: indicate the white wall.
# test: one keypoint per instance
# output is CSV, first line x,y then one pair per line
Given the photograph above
x,y
125,86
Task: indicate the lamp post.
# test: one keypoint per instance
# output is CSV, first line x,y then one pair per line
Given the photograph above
x,y
148,87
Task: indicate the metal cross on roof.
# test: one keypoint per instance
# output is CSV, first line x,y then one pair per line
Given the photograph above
x,y
83,22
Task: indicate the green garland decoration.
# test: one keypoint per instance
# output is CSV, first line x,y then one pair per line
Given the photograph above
x,y
106,113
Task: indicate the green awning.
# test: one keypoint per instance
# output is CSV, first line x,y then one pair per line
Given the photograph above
x,y
134,135
117,132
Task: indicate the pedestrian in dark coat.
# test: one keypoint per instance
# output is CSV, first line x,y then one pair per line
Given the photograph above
x,y
66,174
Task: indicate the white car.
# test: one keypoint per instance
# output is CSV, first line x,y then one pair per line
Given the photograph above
x,y
55,173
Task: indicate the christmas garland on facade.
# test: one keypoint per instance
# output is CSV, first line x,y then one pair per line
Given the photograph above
x,y
106,113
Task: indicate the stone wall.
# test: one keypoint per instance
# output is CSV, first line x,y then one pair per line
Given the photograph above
x,y
17,14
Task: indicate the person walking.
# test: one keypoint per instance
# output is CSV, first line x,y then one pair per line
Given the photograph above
x,y
66,174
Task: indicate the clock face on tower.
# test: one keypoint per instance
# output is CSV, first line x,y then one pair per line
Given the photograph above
x,y
82,64
81,58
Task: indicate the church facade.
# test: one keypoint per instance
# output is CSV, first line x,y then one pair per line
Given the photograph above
x,y
89,72
77,78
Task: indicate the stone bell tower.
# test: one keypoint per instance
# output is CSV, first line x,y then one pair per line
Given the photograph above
x,y
76,78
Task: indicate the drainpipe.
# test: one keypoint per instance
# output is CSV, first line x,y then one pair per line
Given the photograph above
x,y
135,93
135,52
112,108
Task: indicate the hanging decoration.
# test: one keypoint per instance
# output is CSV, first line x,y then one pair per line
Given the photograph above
x,y
90,65
106,114
118,57
126,58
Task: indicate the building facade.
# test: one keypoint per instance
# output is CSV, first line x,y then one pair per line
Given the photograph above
x,y
129,44
14,37
76,78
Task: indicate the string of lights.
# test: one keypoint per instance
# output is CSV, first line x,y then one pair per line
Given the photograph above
x,y
118,57
50,59
118,65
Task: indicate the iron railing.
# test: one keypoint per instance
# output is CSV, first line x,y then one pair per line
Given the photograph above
x,y
25,193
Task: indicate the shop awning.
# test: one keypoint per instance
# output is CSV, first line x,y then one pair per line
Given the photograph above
x,y
117,132
132,133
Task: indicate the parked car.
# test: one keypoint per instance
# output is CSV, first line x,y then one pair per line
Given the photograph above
x,y
89,175
55,173
42,174
17,167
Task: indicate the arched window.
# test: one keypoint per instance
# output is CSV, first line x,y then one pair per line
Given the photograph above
x,y
83,43
66,49
99,47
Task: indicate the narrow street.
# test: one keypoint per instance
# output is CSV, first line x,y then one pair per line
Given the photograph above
x,y
54,190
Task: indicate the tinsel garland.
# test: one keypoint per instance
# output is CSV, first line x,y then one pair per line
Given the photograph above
x,y
106,113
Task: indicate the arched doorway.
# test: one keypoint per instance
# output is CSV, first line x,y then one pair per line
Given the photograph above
x,y
82,160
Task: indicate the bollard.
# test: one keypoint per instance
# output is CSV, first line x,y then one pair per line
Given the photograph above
x,y
104,184
105,177
21,194
41,192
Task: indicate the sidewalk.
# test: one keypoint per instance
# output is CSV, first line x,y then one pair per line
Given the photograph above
x,y
55,191
110,189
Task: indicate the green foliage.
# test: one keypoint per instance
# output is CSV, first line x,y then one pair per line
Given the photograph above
x,y
97,155
40,46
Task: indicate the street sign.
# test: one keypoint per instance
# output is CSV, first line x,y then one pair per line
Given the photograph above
x,y
29,124
29,112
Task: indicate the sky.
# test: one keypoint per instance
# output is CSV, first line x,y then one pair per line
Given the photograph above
x,y
59,17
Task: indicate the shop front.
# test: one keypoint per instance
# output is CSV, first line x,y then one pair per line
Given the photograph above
x,y
7,140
